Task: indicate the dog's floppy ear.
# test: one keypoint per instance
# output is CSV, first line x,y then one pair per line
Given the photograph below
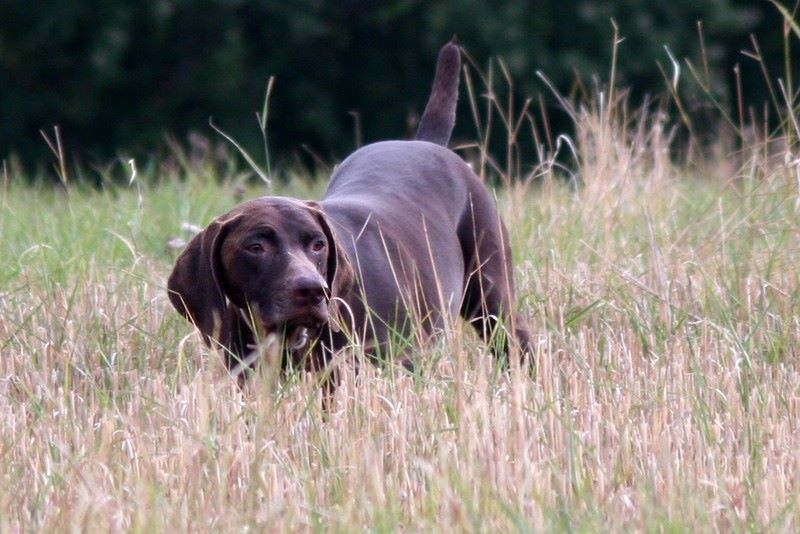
x,y
194,285
339,272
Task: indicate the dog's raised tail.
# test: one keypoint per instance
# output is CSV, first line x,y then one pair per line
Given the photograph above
x,y
439,116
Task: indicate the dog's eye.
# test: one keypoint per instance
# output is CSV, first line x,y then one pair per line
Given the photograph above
x,y
317,245
255,248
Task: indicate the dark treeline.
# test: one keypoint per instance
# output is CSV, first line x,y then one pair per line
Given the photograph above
x,y
117,75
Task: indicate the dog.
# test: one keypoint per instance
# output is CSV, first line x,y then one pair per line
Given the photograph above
x,y
405,239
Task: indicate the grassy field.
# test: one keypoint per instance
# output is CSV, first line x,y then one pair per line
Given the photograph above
x,y
665,301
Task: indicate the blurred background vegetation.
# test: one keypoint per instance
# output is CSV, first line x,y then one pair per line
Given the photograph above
x,y
117,76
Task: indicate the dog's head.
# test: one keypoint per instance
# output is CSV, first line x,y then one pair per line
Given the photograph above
x,y
272,265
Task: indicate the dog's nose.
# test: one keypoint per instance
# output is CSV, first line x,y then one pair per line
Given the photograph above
x,y
308,290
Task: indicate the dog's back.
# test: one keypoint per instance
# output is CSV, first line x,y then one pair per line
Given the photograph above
x,y
376,174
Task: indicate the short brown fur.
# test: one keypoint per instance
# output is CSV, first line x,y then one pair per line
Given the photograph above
x,y
405,238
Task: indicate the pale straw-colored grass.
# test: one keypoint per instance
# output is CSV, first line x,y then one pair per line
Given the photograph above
x,y
664,299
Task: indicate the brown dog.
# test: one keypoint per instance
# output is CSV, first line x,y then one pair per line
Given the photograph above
x,y
405,238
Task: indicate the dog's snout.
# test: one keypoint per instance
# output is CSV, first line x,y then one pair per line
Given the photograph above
x,y
308,290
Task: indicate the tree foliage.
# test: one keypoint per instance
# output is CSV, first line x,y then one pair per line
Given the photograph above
x,y
117,74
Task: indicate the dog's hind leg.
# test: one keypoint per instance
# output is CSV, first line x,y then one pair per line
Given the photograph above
x,y
489,301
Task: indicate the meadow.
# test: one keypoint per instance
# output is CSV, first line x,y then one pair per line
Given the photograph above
x,y
663,292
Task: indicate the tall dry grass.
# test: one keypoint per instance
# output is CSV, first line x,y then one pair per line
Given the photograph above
x,y
665,300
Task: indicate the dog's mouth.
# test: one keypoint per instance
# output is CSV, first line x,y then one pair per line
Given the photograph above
x,y
298,329
297,332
